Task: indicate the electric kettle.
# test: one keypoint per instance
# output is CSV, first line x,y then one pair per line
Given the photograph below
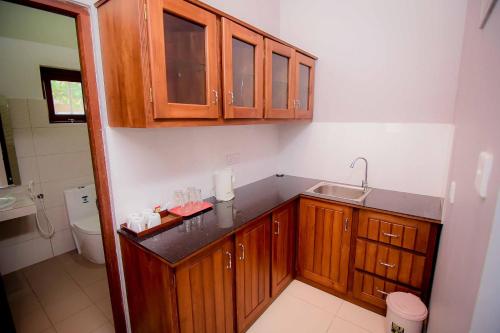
x,y
224,184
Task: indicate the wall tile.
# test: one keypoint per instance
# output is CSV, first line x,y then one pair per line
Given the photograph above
x,y
63,242
38,112
28,170
58,217
64,166
23,141
24,254
54,190
19,115
58,140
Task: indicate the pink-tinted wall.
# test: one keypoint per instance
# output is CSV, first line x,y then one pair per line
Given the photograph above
x,y
468,221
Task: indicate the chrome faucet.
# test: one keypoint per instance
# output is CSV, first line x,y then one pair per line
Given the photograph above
x,y
364,182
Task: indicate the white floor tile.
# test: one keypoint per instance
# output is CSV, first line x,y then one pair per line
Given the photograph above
x,y
341,326
290,314
314,296
368,320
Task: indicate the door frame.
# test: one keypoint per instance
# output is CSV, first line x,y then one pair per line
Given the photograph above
x,y
85,49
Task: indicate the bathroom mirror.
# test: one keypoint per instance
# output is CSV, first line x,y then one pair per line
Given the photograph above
x,y
9,170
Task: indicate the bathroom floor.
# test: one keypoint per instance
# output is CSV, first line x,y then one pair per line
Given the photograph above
x,y
302,308
66,293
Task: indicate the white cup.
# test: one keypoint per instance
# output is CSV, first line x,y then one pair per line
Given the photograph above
x,y
154,219
135,222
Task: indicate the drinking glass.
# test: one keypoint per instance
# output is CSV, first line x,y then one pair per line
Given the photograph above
x,y
180,199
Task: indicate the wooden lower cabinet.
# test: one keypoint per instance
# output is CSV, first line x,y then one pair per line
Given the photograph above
x,y
205,291
324,243
282,248
252,272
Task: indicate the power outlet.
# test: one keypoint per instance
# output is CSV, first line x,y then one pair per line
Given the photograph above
x,y
232,158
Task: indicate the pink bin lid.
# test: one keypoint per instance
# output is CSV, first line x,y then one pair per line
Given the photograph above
x,y
407,305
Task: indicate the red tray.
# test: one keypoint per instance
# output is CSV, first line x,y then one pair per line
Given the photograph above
x,y
182,212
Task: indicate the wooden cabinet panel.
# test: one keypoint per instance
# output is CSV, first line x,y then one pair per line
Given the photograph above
x,y
252,272
183,46
279,80
374,290
398,231
390,263
205,291
243,70
324,243
282,248
304,86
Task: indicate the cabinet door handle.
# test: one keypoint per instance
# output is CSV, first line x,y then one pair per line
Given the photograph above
x,y
390,235
216,95
346,224
386,264
229,260
231,95
277,232
381,292
298,104
242,257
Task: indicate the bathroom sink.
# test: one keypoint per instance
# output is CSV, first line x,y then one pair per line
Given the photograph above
x,y
7,202
340,191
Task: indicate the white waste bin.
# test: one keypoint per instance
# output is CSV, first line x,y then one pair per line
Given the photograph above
x,y
405,313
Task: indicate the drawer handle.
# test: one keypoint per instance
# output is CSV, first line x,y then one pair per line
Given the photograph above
x,y
277,232
229,263
346,224
242,257
390,235
386,264
381,292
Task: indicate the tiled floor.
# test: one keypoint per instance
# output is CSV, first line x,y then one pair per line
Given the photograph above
x,y
63,294
302,308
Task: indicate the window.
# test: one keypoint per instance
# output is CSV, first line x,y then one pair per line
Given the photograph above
x,y
63,90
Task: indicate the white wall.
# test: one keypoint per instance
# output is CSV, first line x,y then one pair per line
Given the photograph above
x,y
386,82
399,155
54,156
148,165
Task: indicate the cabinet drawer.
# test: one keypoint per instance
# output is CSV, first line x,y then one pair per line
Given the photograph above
x,y
390,263
374,290
398,231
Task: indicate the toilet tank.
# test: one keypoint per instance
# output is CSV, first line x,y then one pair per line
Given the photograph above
x,y
80,202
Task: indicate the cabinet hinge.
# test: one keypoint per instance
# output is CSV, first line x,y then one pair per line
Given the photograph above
x,y
150,95
145,11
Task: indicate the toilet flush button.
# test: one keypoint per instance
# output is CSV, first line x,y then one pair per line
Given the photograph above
x,y
483,172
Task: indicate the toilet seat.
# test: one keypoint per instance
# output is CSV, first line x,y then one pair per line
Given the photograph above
x,y
89,225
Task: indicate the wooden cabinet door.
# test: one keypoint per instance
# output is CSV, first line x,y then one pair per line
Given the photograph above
x,y
243,70
304,86
282,248
252,272
205,291
279,80
324,243
183,49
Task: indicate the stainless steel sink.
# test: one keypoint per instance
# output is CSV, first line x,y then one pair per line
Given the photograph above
x,y
340,191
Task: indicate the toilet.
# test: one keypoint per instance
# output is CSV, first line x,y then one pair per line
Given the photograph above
x,y
84,220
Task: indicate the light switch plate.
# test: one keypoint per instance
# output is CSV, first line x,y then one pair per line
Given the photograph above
x,y
483,172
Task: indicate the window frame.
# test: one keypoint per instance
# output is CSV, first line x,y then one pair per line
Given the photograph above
x,y
48,74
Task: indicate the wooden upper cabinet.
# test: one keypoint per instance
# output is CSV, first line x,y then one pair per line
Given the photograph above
x,y
282,248
184,72
243,70
279,80
324,243
304,86
252,272
205,291
173,63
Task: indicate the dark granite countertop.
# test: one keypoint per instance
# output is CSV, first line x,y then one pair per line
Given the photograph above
x,y
256,199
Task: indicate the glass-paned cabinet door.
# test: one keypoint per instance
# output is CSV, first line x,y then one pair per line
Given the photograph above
x,y
304,89
242,64
279,76
183,41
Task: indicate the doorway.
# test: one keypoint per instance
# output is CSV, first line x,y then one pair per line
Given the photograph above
x,y
69,105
